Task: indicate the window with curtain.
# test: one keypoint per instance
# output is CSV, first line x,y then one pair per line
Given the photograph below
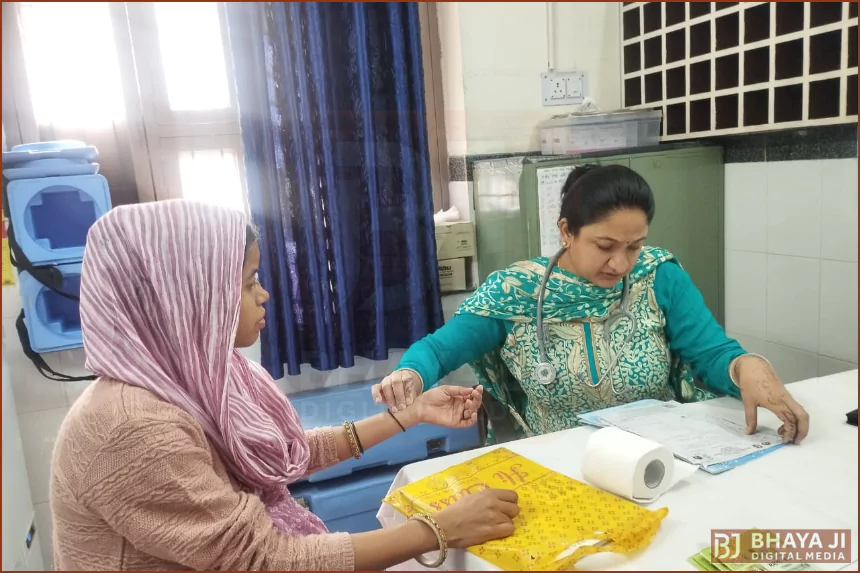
x,y
152,85
161,108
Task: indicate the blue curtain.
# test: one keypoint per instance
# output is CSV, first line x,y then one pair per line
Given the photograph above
x,y
331,101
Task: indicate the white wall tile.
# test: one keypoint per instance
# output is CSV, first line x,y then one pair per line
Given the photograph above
x,y
33,392
749,343
252,353
746,206
11,303
839,210
791,364
72,363
45,532
74,391
810,226
746,289
794,208
828,366
39,434
460,195
838,334
793,301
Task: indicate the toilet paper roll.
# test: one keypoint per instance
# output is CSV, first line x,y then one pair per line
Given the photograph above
x,y
630,466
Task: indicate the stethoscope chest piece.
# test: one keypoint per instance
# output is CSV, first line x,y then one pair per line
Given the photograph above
x,y
544,373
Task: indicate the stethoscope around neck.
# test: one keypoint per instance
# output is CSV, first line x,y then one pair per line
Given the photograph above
x,y
544,371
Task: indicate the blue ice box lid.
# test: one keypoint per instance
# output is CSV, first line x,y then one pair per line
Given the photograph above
x,y
331,406
72,150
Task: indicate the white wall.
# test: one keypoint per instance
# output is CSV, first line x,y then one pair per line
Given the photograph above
x,y
791,263
42,405
493,54
18,512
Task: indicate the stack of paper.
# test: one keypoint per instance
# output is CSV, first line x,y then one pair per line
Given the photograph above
x,y
713,443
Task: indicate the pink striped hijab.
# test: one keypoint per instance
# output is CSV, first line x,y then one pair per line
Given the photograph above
x,y
160,294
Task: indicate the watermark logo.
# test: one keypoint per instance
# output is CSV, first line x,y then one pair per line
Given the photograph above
x,y
781,546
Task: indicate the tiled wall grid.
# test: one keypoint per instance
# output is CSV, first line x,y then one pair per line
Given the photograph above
x,y
720,68
791,263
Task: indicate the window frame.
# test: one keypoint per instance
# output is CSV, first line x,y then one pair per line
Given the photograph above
x,y
157,134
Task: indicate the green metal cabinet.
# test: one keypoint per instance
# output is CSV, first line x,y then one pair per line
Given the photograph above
x,y
688,188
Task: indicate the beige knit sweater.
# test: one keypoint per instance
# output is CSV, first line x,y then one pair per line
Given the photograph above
x,y
135,485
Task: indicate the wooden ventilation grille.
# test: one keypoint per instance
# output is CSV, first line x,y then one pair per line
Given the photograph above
x,y
718,68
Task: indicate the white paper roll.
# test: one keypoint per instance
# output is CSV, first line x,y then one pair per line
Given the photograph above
x,y
628,465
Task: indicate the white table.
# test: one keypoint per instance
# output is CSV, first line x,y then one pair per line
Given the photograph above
x,y
810,486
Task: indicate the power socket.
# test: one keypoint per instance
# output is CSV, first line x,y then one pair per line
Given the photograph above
x,y
563,88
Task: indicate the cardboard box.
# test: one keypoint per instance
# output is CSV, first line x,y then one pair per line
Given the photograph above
x,y
452,275
455,240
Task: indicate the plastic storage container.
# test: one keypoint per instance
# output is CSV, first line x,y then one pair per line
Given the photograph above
x,y
348,504
331,406
587,132
53,321
72,150
52,215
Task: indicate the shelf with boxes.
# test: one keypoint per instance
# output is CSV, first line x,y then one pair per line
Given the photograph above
x,y
455,251
52,195
348,495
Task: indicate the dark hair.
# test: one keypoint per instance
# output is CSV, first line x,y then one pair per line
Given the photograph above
x,y
251,237
592,192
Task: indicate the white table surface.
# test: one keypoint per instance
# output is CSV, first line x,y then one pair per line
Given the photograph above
x,y
809,486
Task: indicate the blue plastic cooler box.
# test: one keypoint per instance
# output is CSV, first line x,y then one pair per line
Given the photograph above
x,y
53,321
331,406
52,215
348,504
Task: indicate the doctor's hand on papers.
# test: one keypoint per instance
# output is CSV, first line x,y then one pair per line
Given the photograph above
x,y
398,390
761,387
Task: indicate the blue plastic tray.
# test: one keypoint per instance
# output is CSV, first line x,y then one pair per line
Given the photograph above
x,y
50,168
50,145
331,406
13,158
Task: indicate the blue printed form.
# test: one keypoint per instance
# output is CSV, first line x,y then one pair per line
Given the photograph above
x,y
712,443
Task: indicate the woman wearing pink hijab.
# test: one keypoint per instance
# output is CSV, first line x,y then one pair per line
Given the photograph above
x,y
180,455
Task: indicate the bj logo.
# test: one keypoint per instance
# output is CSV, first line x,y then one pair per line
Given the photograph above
x,y
725,546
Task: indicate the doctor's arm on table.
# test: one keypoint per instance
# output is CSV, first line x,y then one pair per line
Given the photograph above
x,y
463,339
720,362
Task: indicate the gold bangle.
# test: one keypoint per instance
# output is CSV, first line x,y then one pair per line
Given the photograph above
x,y
353,443
733,366
440,536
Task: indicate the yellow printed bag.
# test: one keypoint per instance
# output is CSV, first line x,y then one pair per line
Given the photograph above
x,y
561,520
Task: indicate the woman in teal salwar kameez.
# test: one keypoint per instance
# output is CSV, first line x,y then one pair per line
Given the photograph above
x,y
677,351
